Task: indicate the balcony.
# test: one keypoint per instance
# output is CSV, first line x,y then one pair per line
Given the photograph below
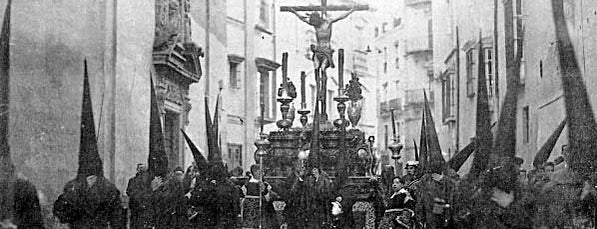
x,y
418,45
416,2
393,104
415,96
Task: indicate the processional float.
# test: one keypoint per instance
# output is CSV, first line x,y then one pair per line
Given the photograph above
x,y
344,153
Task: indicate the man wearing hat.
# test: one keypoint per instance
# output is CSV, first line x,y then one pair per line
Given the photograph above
x,y
411,172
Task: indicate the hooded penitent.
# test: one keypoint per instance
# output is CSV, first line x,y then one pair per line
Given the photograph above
x,y
502,173
6,166
543,154
459,158
416,150
217,169
483,133
436,164
158,160
197,155
90,162
582,129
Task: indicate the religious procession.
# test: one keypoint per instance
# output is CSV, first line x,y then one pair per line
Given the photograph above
x,y
106,119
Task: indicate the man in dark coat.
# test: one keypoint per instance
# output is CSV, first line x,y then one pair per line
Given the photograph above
x,y
137,191
27,211
90,202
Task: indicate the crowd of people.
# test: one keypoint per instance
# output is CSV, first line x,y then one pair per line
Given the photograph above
x,y
550,196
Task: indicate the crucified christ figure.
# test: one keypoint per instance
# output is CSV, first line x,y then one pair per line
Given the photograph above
x,y
322,51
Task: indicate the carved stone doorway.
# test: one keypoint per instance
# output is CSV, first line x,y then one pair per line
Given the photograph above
x,y
176,62
172,139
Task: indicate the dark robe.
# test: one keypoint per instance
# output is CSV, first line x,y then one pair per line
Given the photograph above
x,y
487,214
562,204
168,207
320,201
431,194
219,203
98,206
297,203
138,190
27,210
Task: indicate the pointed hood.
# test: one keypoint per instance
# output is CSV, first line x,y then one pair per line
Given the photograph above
x,y
461,156
505,139
6,166
436,160
158,160
314,151
216,168
197,155
423,157
543,154
484,137
582,129
416,150
90,162
214,155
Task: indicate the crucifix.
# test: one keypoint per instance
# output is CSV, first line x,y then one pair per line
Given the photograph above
x,y
322,51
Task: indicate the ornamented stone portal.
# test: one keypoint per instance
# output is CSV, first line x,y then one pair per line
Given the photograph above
x,y
176,63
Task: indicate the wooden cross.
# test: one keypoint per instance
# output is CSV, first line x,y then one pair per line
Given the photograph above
x,y
323,8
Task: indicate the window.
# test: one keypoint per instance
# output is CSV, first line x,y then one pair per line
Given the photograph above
x,y
430,34
234,62
541,68
376,31
330,103
313,97
488,52
385,136
448,97
267,85
397,22
385,67
234,75
470,78
264,14
383,27
397,63
264,92
518,22
235,155
525,124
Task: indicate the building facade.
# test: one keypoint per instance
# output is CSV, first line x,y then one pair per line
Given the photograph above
x,y
403,52
540,102
192,49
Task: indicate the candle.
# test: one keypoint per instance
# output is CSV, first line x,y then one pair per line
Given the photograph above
x,y
303,104
285,71
340,70
393,124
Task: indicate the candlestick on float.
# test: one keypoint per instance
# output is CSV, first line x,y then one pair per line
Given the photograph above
x,y
393,124
284,98
285,71
340,72
303,103
303,111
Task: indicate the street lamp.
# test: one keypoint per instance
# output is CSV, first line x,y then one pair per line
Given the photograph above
x,y
262,144
396,147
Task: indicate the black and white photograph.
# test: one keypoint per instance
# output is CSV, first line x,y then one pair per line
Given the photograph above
x,y
298,114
